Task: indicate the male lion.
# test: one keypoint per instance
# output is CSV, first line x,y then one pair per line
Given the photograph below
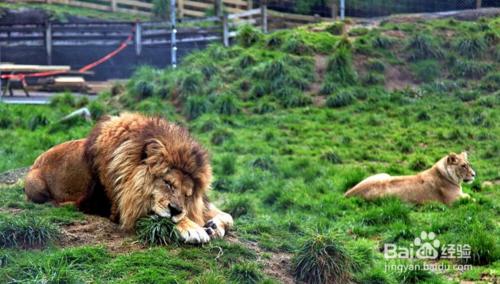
x,y
145,165
439,183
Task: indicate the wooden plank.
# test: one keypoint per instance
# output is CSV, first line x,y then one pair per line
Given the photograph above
x,y
32,68
236,2
196,4
90,5
245,14
135,3
138,12
193,13
296,16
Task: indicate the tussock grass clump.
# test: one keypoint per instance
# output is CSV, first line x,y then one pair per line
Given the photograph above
x,y
227,104
383,42
195,106
336,28
246,273
241,206
53,270
38,120
332,157
416,275
64,99
375,65
421,46
491,82
248,36
141,84
342,99
97,109
467,96
470,69
220,136
191,83
484,249
328,88
264,107
264,163
419,163
228,165
472,46
26,232
297,46
247,60
323,259
426,70
296,100
340,69
155,230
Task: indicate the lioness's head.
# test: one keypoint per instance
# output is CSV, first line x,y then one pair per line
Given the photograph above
x,y
459,168
180,174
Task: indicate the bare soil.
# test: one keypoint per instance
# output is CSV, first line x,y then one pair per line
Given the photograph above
x,y
95,230
397,78
276,264
320,65
13,176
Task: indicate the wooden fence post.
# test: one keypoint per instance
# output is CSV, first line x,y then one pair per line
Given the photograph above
x,y
225,30
113,5
219,8
138,39
180,8
479,4
263,12
48,42
334,9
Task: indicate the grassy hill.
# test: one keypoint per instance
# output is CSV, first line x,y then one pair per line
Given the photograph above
x,y
292,119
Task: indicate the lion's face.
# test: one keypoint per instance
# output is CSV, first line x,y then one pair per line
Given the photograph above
x,y
171,193
459,167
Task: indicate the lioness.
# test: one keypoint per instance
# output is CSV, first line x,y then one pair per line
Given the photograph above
x,y
439,183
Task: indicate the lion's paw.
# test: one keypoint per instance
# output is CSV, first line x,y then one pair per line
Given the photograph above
x,y
216,227
194,235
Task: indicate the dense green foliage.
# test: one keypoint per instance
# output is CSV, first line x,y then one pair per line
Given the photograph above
x,y
286,143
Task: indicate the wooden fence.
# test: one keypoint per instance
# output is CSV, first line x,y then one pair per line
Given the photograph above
x,y
186,8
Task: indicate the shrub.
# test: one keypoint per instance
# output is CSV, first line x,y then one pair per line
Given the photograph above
x,y
472,46
195,106
26,232
336,28
470,69
344,98
422,46
248,36
426,70
323,259
155,230
340,67
227,104
246,273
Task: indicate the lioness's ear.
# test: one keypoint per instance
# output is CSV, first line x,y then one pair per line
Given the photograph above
x,y
452,159
464,154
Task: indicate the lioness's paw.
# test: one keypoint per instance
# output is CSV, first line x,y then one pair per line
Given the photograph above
x,y
193,235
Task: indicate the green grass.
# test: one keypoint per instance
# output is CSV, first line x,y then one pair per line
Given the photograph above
x,y
282,160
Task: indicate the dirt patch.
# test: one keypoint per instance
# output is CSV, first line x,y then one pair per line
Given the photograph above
x,y
95,230
276,264
397,78
13,176
320,66
396,34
